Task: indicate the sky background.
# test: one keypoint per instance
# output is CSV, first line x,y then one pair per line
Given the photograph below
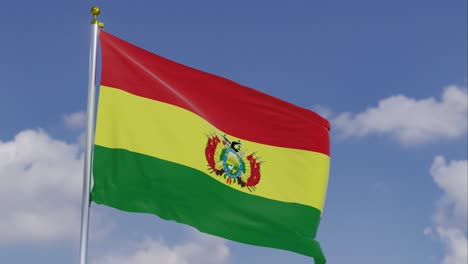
x,y
391,76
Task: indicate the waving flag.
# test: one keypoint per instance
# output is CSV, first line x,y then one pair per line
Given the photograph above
x,y
202,150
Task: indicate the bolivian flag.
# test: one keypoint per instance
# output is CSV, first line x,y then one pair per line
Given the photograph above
x,y
202,150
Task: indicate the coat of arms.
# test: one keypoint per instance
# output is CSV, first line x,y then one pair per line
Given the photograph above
x,y
227,159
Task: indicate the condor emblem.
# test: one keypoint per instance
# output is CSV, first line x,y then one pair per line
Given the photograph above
x,y
226,159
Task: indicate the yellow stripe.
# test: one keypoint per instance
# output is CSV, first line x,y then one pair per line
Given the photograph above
x,y
174,134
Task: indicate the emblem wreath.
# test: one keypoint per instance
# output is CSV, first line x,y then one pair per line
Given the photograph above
x,y
226,159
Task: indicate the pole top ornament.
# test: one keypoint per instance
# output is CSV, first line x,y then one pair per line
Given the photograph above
x,y
95,11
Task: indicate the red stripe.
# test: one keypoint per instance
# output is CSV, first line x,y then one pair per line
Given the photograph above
x,y
235,109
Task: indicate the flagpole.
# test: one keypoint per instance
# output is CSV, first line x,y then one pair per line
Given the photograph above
x,y
86,202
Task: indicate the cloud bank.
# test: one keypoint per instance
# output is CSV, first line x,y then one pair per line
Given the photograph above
x,y
409,120
450,216
202,249
41,187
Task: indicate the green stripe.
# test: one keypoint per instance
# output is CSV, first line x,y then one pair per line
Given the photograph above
x,y
138,183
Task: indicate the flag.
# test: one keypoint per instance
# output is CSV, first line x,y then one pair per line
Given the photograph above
x,y
205,151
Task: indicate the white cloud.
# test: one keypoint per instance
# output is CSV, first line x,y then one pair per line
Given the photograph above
x,y
450,216
456,244
410,120
41,181
75,120
452,178
202,249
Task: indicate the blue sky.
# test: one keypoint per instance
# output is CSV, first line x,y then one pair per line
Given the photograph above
x,y
391,76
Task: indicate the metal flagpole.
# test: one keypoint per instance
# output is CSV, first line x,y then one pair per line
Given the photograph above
x,y
95,24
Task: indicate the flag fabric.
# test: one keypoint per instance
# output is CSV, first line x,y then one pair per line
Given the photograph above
x,y
205,151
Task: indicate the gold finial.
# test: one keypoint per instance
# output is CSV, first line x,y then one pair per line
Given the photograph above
x,y
95,11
